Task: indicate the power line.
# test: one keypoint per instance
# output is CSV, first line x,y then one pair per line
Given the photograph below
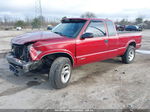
x,y
38,11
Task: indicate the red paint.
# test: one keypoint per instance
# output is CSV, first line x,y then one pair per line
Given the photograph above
x,y
82,51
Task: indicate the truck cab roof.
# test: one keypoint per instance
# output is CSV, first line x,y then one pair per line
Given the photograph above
x,y
86,19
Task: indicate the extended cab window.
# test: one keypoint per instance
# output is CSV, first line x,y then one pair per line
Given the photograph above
x,y
97,28
111,28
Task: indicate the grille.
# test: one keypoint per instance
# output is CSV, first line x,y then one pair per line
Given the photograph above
x,y
20,52
17,50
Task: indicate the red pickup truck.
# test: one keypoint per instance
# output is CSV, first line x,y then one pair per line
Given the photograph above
x,y
74,42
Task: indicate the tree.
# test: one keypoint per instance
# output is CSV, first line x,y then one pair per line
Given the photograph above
x,y
147,24
20,23
36,23
88,15
1,20
6,20
28,21
139,20
64,17
124,22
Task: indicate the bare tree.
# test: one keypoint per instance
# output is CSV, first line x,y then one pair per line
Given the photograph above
x,y
1,20
6,20
88,15
28,21
139,20
124,22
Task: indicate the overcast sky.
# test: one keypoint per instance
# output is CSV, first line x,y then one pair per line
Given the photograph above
x,y
113,9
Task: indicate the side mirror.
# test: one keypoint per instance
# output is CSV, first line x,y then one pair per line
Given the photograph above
x,y
87,35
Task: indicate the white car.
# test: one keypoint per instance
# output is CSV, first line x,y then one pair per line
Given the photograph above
x,y
18,28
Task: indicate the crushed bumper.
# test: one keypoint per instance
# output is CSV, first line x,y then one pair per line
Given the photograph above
x,y
20,67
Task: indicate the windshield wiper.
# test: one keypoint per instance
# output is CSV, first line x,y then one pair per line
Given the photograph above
x,y
59,33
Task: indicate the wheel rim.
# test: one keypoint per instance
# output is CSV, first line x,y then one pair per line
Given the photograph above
x,y
65,74
131,55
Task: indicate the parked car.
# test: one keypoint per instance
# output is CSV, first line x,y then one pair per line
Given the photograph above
x,y
8,28
133,28
74,42
49,27
18,28
120,27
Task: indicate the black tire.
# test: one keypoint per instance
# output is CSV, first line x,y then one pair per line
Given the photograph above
x,y
126,58
57,80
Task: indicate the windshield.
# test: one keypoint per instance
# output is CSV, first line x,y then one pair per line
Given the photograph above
x,y
68,29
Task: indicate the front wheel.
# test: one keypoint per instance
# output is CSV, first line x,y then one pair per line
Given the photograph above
x,y
60,72
129,55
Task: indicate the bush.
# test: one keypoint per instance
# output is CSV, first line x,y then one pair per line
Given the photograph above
x,y
20,23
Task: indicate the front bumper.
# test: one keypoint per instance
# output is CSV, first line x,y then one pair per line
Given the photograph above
x,y
20,67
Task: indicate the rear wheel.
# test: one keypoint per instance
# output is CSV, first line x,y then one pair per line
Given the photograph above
x,y
129,55
60,72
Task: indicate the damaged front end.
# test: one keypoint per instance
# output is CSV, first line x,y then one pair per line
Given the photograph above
x,y
20,59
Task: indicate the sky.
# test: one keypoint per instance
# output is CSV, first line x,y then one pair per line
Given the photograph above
x,y
112,9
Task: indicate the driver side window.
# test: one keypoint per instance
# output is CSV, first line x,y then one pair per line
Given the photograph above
x,y
97,28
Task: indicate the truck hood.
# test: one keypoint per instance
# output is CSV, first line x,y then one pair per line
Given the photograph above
x,y
35,36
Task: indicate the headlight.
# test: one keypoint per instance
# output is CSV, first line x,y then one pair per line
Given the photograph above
x,y
33,52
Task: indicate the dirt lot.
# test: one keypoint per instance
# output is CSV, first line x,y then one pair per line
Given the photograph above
x,y
102,85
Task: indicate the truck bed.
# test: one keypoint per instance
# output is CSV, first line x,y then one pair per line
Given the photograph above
x,y
124,32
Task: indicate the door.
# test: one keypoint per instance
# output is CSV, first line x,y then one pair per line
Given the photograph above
x,y
92,49
113,41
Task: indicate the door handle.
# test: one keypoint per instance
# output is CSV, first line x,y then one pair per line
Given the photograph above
x,y
106,41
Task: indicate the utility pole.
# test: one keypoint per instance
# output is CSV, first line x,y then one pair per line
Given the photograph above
x,y
38,12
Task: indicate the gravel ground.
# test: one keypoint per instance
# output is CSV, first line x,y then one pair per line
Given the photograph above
x,y
103,85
